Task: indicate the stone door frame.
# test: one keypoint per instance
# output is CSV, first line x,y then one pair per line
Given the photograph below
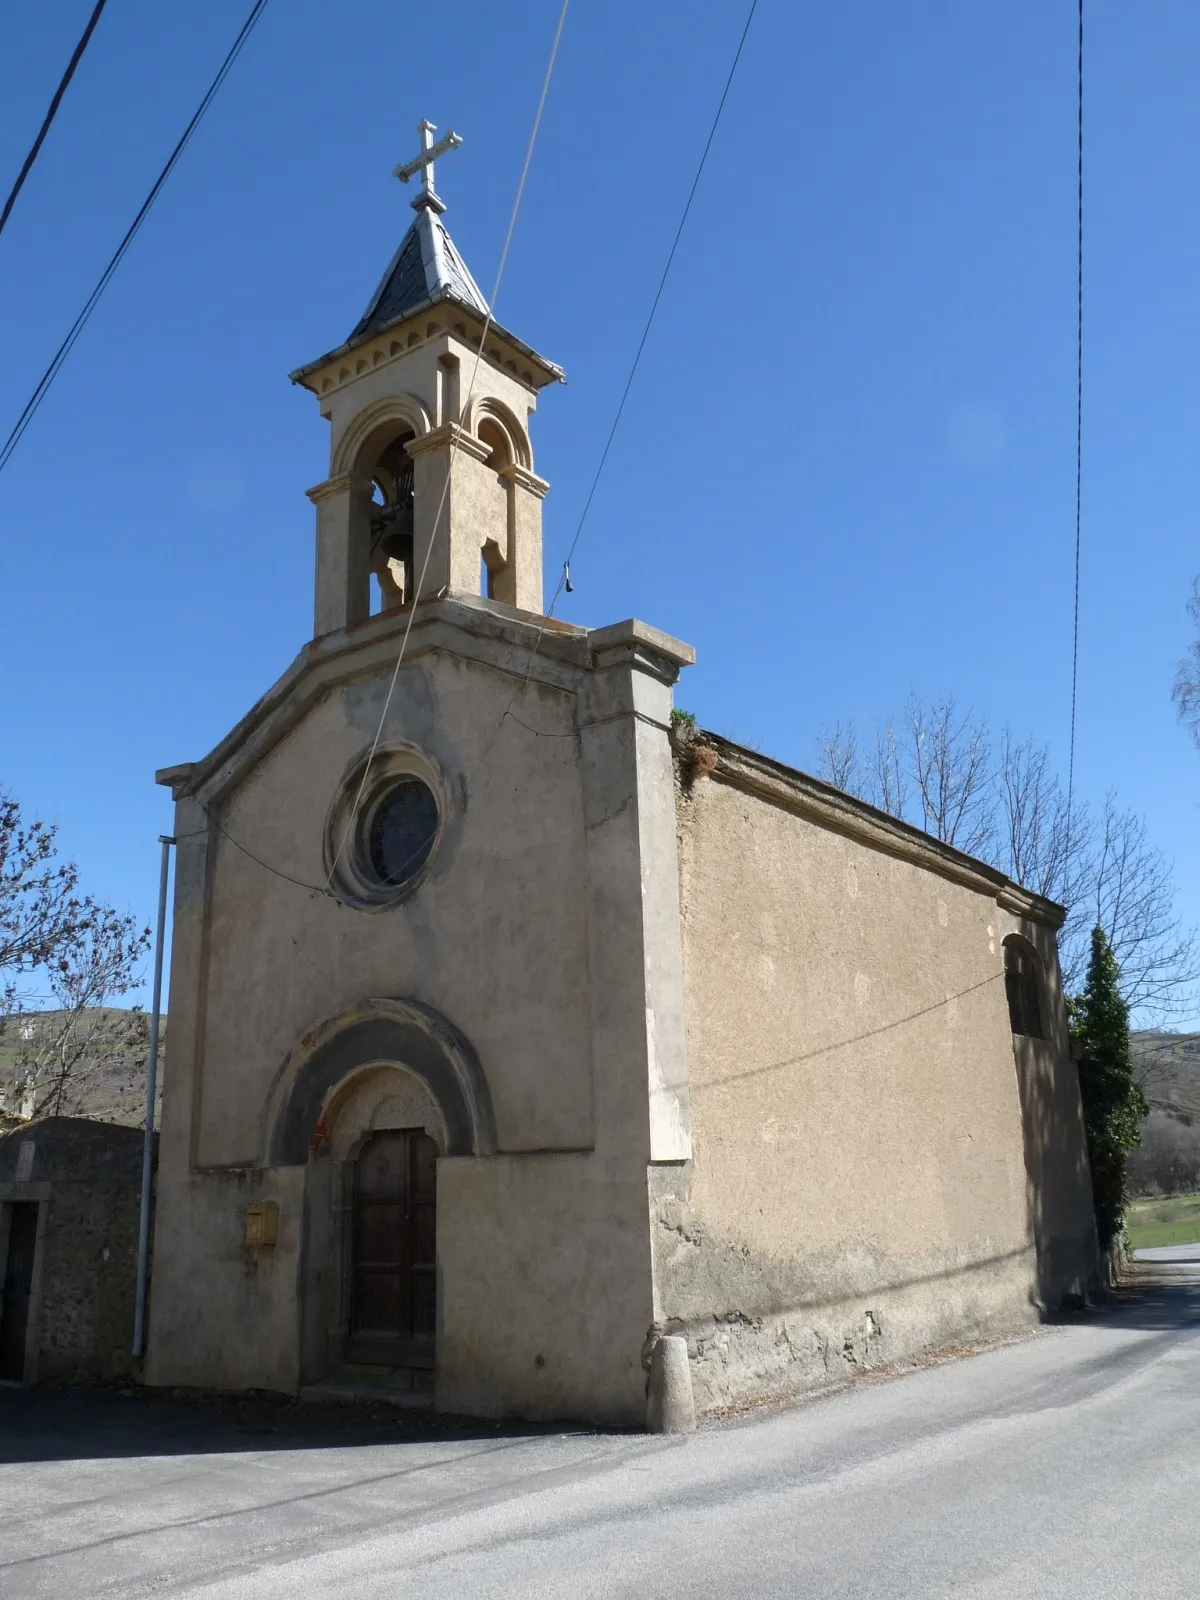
x,y
395,1060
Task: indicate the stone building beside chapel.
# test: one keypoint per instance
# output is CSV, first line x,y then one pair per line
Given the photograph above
x,y
513,1026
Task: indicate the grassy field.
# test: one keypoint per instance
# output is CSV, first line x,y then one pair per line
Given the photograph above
x,y
1172,1221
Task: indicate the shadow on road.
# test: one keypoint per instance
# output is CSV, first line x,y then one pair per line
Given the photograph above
x,y
80,1424
1159,1295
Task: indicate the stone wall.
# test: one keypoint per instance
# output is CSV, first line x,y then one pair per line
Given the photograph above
x,y
86,1178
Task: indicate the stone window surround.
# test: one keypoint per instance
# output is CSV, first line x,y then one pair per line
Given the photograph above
x,y
353,877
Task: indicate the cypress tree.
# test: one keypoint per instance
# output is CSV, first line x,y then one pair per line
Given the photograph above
x,y
1113,1103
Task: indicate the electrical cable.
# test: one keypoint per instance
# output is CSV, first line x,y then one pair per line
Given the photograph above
x,y
287,877
437,519
1078,421
313,888
662,282
596,478
27,165
77,327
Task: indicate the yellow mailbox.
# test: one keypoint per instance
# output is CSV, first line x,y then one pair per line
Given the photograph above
x,y
262,1225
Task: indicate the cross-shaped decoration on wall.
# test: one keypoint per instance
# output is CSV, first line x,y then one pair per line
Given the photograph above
x,y
423,164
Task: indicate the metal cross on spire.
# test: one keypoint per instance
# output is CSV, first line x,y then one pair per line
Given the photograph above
x,y
423,164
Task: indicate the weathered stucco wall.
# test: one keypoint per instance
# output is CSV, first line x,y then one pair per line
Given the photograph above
x,y
222,1314
859,1185
545,935
495,937
545,1288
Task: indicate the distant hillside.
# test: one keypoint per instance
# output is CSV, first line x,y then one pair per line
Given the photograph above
x,y
1169,1065
1168,1160
109,1090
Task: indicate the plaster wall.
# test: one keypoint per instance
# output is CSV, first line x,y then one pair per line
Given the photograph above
x,y
544,1278
495,937
1058,1185
522,581
222,1314
859,1187
474,506
546,935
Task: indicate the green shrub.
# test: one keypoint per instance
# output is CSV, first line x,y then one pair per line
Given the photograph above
x,y
1113,1103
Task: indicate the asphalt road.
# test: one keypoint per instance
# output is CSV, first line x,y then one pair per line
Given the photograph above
x,y
1067,1464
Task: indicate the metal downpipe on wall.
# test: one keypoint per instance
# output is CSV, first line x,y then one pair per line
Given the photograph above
x,y
139,1316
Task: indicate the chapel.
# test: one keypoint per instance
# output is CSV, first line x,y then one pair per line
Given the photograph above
x,y
520,1029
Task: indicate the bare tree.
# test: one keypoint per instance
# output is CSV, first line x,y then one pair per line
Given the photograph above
x,y
887,774
839,757
1035,832
1187,680
941,774
931,767
65,958
1133,900
951,760
40,912
1043,848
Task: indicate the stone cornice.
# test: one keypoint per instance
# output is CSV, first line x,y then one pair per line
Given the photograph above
x,y
640,637
513,642
175,778
842,813
449,433
506,352
524,479
345,482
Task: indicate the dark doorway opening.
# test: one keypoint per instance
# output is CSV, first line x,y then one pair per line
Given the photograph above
x,y
18,1288
393,1300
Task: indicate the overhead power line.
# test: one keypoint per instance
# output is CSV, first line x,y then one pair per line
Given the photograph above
x,y
77,327
326,889
564,580
662,283
27,164
1078,413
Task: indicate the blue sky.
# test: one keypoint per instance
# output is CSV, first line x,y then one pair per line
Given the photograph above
x,y
847,466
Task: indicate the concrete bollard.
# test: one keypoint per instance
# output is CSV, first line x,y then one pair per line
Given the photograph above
x,y
670,1406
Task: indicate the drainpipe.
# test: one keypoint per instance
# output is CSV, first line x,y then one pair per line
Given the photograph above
x,y
139,1318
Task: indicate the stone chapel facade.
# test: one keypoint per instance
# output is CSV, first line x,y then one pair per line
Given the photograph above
x,y
512,1029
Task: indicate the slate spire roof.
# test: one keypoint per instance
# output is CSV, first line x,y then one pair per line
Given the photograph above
x,y
426,268
426,271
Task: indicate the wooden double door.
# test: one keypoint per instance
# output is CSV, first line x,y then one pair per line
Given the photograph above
x,y
393,1313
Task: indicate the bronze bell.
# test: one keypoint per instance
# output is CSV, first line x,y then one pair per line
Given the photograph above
x,y
392,532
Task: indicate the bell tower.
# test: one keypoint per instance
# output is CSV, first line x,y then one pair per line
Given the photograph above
x,y
430,465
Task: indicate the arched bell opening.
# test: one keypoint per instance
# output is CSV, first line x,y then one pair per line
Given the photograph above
x,y
497,580
392,517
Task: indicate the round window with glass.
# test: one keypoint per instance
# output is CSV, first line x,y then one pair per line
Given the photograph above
x,y
399,832
384,826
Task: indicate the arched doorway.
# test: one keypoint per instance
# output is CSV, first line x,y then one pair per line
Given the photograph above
x,y
368,1102
393,1252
